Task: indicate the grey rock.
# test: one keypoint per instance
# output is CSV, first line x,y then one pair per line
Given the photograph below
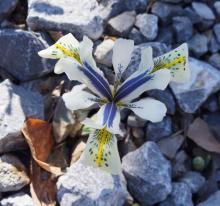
x,y
112,8
169,146
65,122
103,52
18,199
192,15
122,24
166,11
173,1
148,25
217,32
213,45
198,44
138,5
137,36
158,49
7,7
12,174
159,130
127,145
180,196
138,132
67,15
88,186
213,200
16,104
205,80
208,189
211,104
148,174
135,121
23,46
217,7
183,28
204,25
78,17
180,165
166,97
165,35
213,120
194,180
124,114
203,10
214,60
108,72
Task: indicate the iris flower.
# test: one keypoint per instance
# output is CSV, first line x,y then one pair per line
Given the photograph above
x,y
76,60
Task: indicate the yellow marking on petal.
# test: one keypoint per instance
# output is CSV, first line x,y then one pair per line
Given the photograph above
x,y
120,104
71,53
103,101
170,64
103,138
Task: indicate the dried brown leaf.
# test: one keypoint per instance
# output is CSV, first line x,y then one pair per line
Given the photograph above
x,y
199,132
42,187
38,134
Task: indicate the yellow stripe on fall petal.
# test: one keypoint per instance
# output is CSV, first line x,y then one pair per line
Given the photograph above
x,y
102,151
170,64
103,138
71,53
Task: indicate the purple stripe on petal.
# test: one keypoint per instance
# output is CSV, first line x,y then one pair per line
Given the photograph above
x,y
127,84
133,85
97,80
109,114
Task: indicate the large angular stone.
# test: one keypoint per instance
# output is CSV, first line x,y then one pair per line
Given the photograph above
x,y
121,24
19,49
157,131
198,44
7,7
148,25
81,17
205,80
148,174
16,104
88,186
183,28
203,11
12,174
